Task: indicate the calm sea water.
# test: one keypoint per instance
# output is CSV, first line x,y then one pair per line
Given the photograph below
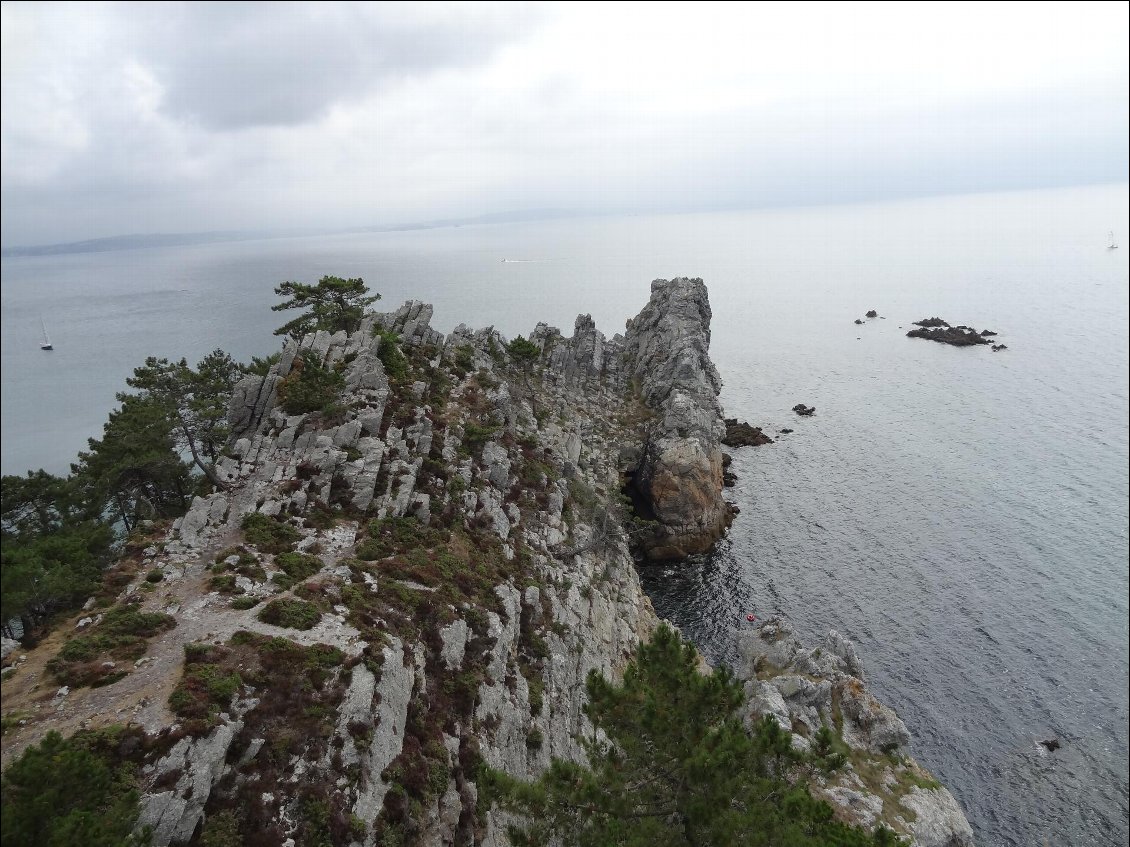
x,y
962,515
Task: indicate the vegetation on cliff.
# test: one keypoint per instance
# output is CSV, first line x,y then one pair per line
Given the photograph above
x,y
80,790
671,764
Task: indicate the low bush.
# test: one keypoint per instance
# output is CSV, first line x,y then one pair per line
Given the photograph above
x,y
121,636
290,613
298,566
269,534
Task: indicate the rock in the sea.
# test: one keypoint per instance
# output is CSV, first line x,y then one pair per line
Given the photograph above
x,y
785,431
858,321
987,332
871,313
803,410
996,348
935,329
1050,744
744,435
679,477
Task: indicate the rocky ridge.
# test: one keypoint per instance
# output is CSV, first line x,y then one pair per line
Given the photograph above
x,y
805,689
461,542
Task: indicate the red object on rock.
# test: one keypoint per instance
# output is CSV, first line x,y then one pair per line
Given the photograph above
x,y
750,618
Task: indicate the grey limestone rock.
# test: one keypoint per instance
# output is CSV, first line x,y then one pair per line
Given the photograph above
x,y
454,639
174,814
680,474
813,688
939,821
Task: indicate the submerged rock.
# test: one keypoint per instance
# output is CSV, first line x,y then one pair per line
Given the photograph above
x,y
803,410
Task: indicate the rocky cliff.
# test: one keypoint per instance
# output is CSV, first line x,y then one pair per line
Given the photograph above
x,y
421,576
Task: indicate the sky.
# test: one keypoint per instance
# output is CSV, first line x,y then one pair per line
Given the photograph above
x,y
137,118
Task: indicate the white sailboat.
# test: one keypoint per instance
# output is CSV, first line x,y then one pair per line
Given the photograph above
x,y
46,345
1113,244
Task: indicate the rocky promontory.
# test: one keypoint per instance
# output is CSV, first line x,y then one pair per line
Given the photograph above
x,y
416,579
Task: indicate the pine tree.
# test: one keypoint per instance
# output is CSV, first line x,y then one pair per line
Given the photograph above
x,y
196,402
670,765
335,304
134,472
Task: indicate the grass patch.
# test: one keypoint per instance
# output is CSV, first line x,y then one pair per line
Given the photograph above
x,y
290,613
122,636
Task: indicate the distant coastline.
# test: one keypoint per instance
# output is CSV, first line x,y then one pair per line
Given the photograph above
x,y
140,241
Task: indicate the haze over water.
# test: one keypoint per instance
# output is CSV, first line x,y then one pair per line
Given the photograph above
x,y
962,515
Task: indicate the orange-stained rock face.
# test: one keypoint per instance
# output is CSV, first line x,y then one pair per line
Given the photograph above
x,y
683,486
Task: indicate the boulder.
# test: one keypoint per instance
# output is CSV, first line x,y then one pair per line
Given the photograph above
x,y
744,435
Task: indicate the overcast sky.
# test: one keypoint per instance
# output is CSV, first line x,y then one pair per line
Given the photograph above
x,y
178,118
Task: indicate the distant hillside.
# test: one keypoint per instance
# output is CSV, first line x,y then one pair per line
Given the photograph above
x,y
177,239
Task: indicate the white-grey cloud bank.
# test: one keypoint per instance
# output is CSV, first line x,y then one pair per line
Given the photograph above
x,y
189,117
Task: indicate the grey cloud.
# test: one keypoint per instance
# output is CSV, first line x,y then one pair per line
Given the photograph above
x,y
234,66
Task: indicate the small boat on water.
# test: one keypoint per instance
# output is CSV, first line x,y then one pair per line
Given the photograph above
x,y
1113,244
46,344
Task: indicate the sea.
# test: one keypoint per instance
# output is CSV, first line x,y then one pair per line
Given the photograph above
x,y
962,515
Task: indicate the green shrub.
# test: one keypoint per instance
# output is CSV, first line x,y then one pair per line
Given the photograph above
x,y
534,739
475,436
243,603
372,549
92,658
309,387
283,581
128,621
204,690
394,361
269,534
298,566
155,575
224,584
290,613
221,830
